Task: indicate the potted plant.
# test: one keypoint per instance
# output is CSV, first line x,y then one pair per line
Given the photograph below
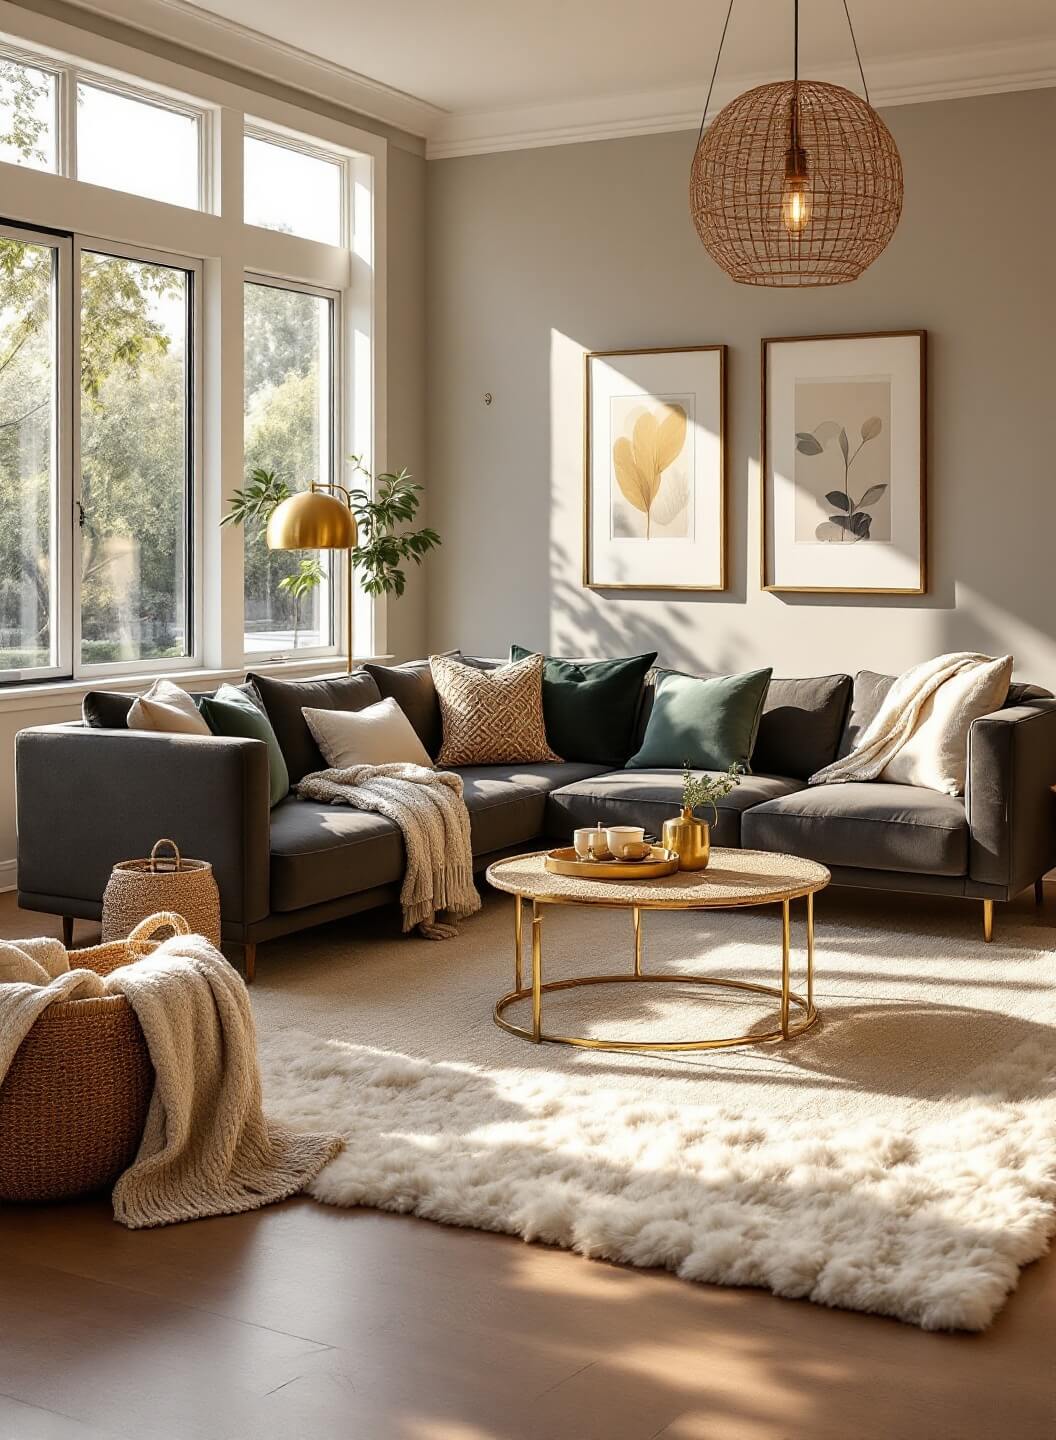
x,y
687,836
380,507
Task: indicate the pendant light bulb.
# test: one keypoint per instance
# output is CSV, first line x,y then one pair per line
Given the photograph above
x,y
795,194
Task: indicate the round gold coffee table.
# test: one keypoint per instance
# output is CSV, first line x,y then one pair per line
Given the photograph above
x,y
734,879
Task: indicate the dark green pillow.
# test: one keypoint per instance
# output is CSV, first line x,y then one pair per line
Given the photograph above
x,y
705,724
589,706
231,712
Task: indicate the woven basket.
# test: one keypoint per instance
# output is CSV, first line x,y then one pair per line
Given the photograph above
x,y
75,1097
138,888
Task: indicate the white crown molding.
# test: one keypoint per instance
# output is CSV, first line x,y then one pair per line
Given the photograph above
x,y
189,25
949,75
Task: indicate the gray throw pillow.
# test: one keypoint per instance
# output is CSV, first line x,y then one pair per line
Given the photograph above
x,y
284,700
801,725
411,686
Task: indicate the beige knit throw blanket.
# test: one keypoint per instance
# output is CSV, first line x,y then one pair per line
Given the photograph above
x,y
897,718
207,1147
428,807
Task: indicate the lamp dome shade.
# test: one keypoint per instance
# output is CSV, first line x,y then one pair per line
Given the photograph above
x,y
311,520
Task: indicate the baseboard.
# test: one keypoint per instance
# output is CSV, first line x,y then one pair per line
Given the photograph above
x,y
7,875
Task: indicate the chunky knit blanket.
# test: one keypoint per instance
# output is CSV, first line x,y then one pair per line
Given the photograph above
x,y
428,807
898,716
207,1147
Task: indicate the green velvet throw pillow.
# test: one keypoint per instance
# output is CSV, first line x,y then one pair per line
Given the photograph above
x,y
590,706
231,712
705,724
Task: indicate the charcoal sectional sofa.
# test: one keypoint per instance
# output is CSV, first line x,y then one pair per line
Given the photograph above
x,y
94,792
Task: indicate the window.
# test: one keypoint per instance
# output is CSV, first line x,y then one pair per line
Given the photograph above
x,y
28,127
293,190
29,287
137,145
136,459
124,513
289,430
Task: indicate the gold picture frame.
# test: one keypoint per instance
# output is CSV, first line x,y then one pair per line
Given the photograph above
x,y
902,557
708,464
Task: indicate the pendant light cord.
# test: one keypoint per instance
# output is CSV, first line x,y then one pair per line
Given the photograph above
x,y
858,57
715,71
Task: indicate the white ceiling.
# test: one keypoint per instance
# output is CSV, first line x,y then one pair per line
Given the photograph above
x,y
473,69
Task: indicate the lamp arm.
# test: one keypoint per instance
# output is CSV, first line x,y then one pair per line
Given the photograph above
x,y
322,487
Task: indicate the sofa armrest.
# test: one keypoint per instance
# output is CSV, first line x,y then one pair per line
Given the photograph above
x,y
1010,805
86,798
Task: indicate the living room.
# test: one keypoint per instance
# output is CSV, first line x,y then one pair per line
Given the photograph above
x,y
527,721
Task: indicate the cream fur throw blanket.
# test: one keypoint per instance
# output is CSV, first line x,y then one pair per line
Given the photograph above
x,y
919,736
428,807
207,1147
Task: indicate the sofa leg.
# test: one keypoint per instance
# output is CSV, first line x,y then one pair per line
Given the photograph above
x,y
988,919
67,931
249,962
1039,892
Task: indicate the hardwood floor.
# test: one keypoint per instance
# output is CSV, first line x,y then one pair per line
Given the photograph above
x,y
307,1323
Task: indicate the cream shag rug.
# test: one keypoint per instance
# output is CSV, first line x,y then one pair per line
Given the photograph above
x,y
900,1158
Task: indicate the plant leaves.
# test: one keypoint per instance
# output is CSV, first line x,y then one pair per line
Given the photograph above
x,y
843,521
871,428
806,444
646,443
627,475
871,496
843,442
671,435
839,499
860,524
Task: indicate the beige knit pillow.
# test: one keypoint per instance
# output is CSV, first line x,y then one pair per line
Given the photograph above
x,y
491,717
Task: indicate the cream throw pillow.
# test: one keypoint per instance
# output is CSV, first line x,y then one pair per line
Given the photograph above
x,y
491,717
379,734
165,707
936,755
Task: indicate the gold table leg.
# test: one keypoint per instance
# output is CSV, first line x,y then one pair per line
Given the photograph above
x,y
786,948
810,953
537,972
638,941
517,933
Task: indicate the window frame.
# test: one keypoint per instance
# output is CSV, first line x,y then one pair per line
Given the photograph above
x,y
64,361
338,559
77,75
193,536
314,150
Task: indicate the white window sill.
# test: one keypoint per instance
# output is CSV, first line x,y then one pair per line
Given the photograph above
x,y
64,694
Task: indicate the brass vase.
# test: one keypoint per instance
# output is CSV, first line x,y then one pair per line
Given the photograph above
x,y
690,839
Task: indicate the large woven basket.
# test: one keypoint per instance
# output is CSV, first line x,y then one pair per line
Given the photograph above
x,y
75,1097
138,888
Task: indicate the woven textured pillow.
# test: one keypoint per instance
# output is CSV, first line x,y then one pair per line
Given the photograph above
x,y
491,717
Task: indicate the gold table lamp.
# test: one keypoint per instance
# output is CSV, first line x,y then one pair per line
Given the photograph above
x,y
316,519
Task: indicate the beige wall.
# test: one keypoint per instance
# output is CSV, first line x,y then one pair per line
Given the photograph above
x,y
538,255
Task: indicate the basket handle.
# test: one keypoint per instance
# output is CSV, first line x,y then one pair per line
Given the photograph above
x,y
175,860
164,919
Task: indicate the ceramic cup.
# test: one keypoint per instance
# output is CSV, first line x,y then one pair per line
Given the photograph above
x,y
626,841
591,842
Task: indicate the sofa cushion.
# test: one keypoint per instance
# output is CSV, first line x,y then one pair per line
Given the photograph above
x,y
507,803
492,717
283,701
232,712
648,798
801,725
706,724
321,852
871,826
590,706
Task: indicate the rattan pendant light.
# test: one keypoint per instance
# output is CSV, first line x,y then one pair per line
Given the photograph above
x,y
795,183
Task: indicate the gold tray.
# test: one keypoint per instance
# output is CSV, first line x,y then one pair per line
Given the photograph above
x,y
567,862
